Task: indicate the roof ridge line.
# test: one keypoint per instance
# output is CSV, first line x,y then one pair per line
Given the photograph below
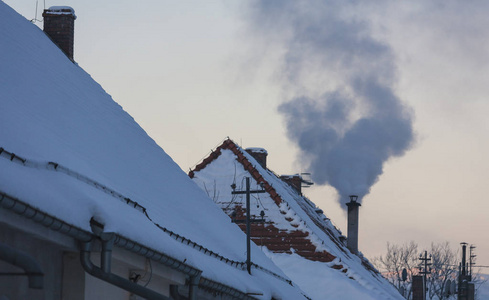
x,y
52,166
53,223
229,144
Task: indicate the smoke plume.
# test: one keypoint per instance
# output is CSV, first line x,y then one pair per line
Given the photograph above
x,y
341,109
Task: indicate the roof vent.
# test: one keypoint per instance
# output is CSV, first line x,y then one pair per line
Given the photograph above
x,y
59,25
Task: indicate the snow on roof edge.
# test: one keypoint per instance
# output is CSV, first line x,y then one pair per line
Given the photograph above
x,y
265,174
45,138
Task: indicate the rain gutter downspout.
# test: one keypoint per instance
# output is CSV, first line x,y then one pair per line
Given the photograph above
x,y
193,286
55,224
104,273
24,261
192,293
108,239
174,294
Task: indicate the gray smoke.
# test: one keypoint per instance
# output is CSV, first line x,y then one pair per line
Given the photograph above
x,y
343,113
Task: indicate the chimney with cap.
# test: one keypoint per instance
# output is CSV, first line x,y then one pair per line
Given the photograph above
x,y
352,238
59,25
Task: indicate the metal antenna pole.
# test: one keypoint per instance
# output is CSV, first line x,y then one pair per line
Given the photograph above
x,y
472,259
248,227
248,193
425,272
462,277
464,263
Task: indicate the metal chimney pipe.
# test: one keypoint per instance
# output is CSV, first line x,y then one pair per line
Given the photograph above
x,y
464,254
352,238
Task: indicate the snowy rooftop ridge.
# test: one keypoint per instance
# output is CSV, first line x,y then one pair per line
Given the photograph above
x,y
52,166
53,111
270,180
299,213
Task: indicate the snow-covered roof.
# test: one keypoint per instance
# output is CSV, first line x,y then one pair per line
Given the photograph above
x,y
69,150
287,210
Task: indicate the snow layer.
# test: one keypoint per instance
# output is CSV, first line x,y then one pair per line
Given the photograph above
x,y
319,282
216,179
53,111
61,10
482,291
257,150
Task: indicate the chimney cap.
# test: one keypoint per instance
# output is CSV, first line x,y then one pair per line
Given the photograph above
x,y
256,150
353,202
291,176
60,10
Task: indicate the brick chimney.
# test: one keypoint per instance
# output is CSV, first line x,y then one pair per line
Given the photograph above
x,y
259,154
352,238
59,25
294,181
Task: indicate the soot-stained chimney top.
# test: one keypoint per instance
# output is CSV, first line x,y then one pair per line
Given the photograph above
x,y
294,181
59,25
352,239
259,154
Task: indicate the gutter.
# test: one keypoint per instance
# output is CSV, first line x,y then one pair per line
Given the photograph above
x,y
174,294
44,219
163,259
104,273
216,286
85,238
108,240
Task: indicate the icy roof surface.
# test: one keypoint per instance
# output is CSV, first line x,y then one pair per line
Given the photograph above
x,y
315,278
54,114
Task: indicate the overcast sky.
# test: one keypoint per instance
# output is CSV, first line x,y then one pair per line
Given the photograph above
x,y
192,73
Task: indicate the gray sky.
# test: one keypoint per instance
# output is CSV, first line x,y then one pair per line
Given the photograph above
x,y
192,73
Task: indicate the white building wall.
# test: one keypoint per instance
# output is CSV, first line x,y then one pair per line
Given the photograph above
x,y
48,255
